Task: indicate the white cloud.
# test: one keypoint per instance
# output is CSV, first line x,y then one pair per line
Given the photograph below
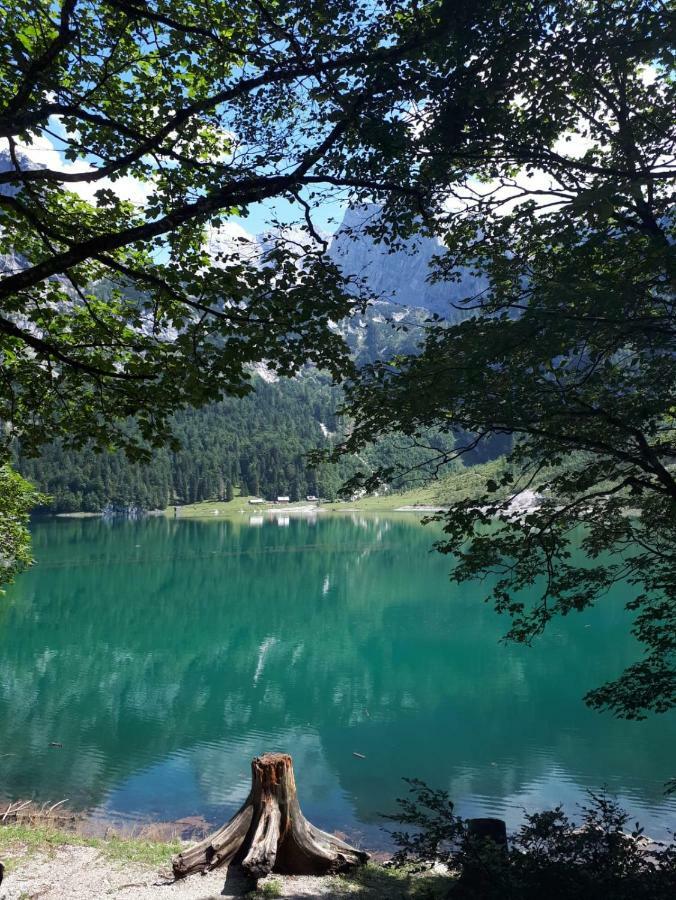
x,y
126,188
573,145
535,185
43,152
648,75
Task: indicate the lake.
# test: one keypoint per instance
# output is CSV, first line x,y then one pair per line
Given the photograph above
x,y
163,655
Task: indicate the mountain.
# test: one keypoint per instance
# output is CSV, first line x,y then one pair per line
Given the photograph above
x,y
12,262
259,444
399,276
6,165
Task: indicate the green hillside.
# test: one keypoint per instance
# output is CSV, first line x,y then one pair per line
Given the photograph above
x,y
251,446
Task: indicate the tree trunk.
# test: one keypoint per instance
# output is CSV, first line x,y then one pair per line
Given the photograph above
x,y
270,833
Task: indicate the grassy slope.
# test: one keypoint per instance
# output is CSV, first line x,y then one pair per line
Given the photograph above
x,y
456,486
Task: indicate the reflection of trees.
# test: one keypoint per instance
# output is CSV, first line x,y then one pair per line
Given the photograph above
x,y
134,641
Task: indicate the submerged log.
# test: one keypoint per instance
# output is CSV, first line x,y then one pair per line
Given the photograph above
x,y
270,833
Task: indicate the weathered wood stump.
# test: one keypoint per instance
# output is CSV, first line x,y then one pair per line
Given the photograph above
x,y
270,833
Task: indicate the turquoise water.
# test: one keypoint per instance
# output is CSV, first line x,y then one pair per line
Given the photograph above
x,y
164,654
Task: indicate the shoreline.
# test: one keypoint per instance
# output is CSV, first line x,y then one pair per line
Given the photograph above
x,y
434,497
425,501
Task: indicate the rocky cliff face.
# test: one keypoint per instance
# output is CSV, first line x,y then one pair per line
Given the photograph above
x,y
402,276
398,277
6,165
12,262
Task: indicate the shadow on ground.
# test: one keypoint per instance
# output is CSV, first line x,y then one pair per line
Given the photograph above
x,y
371,882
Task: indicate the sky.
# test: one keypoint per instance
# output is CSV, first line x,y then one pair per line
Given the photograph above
x,y
327,218
47,150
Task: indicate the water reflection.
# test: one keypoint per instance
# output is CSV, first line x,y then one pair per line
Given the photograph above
x,y
164,654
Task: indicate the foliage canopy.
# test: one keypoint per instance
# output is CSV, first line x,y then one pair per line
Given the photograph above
x,y
17,498
113,309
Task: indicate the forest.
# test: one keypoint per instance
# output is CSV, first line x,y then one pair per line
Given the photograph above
x,y
183,317
256,445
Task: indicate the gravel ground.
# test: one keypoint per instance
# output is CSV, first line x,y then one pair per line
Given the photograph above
x,y
83,873
45,864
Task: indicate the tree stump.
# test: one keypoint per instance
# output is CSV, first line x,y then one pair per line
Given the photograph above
x,y
270,833
482,869
491,829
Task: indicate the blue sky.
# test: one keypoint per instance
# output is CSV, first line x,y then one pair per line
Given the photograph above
x,y
328,217
48,150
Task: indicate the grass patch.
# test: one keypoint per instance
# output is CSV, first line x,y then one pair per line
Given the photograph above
x,y
25,840
21,841
238,508
373,882
271,887
139,850
460,485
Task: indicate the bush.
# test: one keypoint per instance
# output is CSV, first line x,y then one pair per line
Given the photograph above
x,y
550,856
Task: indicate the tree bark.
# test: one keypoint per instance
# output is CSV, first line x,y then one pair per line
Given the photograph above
x,y
270,833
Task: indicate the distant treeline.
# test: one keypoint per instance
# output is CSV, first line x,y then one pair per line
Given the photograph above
x,y
256,446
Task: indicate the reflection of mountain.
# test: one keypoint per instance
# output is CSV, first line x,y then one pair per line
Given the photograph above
x,y
166,653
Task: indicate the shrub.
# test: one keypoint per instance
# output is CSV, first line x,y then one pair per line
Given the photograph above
x,y
550,856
